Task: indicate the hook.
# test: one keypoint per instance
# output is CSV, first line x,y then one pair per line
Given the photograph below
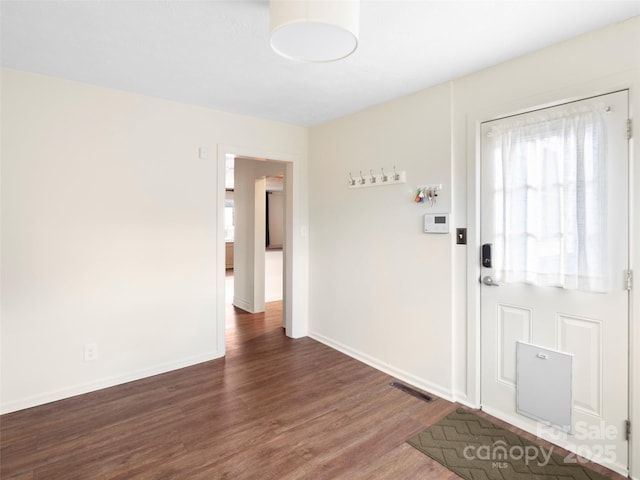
x,y
372,179
431,195
352,181
384,177
396,177
362,180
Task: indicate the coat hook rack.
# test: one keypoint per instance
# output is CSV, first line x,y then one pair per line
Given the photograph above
x,y
377,179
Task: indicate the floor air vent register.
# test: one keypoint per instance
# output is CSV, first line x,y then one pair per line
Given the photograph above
x,y
411,391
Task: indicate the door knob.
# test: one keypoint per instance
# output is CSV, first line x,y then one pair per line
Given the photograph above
x,y
488,280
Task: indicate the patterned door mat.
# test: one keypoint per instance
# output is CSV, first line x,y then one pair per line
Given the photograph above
x,y
475,449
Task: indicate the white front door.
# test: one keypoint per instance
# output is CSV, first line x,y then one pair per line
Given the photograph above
x,y
555,203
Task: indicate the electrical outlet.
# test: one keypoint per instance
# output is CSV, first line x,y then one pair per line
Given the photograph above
x,y
90,351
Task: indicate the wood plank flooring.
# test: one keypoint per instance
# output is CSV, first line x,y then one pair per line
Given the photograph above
x,y
273,408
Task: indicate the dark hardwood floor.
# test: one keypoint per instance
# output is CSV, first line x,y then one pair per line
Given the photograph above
x,y
273,408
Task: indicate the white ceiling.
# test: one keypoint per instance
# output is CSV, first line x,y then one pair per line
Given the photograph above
x,y
216,53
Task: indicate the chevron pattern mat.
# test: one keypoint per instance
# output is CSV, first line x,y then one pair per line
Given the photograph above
x,y
476,449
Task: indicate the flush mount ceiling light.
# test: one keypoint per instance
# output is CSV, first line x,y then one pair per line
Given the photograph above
x,y
314,30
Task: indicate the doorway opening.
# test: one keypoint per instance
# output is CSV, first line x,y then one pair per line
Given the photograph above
x,y
255,232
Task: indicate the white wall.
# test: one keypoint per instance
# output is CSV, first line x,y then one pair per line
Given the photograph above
x,y
109,231
380,289
407,302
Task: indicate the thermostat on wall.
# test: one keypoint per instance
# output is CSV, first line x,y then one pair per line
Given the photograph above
x,y
436,223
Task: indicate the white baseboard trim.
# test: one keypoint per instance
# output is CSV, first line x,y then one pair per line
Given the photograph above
x,y
406,377
72,391
243,304
464,400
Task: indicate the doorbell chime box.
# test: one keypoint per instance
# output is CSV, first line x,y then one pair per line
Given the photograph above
x,y
436,223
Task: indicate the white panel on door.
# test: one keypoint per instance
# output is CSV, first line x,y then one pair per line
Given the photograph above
x,y
582,337
514,324
543,390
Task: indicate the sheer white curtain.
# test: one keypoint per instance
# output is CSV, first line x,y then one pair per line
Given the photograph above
x,y
550,199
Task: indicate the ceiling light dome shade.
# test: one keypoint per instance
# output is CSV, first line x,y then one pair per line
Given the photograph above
x,y
314,30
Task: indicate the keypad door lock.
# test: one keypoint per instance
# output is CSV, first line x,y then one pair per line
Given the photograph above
x,y
486,255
